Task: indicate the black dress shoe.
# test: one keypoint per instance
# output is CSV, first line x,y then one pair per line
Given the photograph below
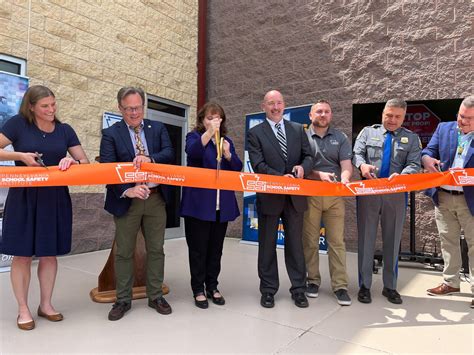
x,y
160,305
392,295
216,300
119,309
267,300
201,304
300,300
364,295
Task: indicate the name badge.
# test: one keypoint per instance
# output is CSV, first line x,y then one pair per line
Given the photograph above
x,y
375,139
404,140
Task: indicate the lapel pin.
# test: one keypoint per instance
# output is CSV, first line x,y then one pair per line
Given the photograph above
x,y
149,126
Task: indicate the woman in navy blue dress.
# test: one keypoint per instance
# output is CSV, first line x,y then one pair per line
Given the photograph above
x,y
37,221
207,212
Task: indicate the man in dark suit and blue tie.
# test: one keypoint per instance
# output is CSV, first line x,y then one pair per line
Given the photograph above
x,y
136,206
280,147
452,146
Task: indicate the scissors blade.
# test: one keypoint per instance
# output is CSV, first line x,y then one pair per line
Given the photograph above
x,y
39,160
218,168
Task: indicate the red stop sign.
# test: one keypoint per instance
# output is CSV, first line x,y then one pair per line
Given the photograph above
x,y
421,120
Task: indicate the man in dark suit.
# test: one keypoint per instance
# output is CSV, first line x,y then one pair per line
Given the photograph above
x,y
452,146
280,147
137,205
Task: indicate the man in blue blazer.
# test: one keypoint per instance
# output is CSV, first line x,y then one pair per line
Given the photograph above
x,y
135,206
280,147
452,146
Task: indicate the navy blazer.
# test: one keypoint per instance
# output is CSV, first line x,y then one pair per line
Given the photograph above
x,y
443,146
201,203
116,146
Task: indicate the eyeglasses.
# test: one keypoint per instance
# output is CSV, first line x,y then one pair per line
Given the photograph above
x,y
467,118
137,109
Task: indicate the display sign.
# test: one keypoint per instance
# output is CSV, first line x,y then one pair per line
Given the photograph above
x,y
12,89
298,114
109,118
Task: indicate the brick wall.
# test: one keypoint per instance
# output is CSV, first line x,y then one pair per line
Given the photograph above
x,y
85,50
345,51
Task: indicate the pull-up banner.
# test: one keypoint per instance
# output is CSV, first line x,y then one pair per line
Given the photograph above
x,y
119,173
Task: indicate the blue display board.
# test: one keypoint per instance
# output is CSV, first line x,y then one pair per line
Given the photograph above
x,y
298,114
12,89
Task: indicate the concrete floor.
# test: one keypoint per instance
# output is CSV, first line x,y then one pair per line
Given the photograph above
x,y
422,324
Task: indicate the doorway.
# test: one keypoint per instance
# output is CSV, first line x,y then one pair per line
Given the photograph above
x,y
175,117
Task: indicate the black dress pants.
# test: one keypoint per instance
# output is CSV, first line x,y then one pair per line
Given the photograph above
x,y
294,256
205,242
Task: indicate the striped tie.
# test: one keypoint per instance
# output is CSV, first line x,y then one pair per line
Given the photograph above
x,y
281,139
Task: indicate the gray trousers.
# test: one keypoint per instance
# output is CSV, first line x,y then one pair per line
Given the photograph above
x,y
390,210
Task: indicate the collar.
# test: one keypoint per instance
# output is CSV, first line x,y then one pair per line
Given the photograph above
x,y
142,124
395,133
273,123
330,131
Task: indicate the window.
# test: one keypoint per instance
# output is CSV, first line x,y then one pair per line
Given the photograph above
x,y
12,65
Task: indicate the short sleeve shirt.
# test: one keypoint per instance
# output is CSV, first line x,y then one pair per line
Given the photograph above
x,y
28,138
330,150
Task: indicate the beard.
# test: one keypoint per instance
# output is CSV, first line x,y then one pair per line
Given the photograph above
x,y
318,124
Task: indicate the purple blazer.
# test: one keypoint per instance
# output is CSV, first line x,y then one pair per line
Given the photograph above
x,y
201,203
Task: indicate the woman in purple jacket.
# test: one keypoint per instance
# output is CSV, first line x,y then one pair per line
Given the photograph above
x,y
207,212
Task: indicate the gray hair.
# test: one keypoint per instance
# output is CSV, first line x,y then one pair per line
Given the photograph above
x,y
396,103
130,90
468,102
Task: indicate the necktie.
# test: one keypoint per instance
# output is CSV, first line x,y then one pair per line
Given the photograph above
x,y
281,140
387,153
138,141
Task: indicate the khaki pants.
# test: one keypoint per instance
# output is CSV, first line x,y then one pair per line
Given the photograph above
x,y
150,215
330,210
452,215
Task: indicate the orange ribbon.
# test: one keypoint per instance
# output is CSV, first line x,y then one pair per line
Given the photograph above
x,y
119,173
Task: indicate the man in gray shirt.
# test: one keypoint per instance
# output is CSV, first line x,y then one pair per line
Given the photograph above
x,y
384,151
332,162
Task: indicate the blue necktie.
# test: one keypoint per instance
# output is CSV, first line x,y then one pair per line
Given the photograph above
x,y
387,153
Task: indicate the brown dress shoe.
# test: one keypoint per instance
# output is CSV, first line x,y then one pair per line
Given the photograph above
x,y
442,290
160,305
25,326
51,317
118,310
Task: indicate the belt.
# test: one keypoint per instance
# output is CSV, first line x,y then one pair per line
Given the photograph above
x,y
154,190
452,192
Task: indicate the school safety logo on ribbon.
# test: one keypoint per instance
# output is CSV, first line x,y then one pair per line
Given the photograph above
x,y
461,177
128,174
358,188
252,182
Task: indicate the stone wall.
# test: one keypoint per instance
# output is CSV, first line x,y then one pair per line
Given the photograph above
x,y
345,51
85,50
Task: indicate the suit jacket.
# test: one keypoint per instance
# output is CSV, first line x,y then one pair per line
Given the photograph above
x,y
443,146
267,157
116,146
201,203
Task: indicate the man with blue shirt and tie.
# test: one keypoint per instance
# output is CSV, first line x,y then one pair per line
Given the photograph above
x,y
452,147
383,151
